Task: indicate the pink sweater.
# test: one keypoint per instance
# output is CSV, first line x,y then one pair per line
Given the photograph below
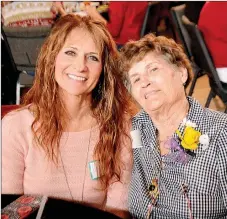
x,y
26,169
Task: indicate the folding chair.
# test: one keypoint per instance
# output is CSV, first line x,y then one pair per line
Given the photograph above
x,y
24,44
151,18
9,76
177,12
204,60
144,26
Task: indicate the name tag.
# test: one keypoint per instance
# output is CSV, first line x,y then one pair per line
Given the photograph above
x,y
136,139
93,169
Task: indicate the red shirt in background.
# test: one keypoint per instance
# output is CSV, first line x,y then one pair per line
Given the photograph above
x,y
126,20
213,24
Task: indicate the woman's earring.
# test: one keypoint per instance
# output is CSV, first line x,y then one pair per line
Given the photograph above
x,y
184,84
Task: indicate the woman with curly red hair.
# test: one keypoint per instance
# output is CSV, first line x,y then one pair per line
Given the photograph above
x,y
70,139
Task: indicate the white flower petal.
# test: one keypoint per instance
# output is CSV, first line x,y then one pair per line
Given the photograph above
x,y
191,124
204,141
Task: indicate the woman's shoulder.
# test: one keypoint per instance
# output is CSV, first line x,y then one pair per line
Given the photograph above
x,y
140,118
216,117
208,119
21,117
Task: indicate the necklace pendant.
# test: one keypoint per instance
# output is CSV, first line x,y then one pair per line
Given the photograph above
x,y
93,169
153,190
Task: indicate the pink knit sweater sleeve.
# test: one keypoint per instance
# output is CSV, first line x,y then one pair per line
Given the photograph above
x,y
13,154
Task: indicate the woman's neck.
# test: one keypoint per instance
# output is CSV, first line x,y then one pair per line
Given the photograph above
x,y
79,112
168,119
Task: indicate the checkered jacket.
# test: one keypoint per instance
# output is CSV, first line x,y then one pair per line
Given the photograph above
x,y
205,174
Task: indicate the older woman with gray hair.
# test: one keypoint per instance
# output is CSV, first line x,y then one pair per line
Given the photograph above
x,y
180,148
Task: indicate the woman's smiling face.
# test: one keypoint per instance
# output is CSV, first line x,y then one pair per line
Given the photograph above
x,y
156,82
78,64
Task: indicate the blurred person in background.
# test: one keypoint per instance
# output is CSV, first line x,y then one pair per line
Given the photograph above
x,y
27,14
125,19
213,24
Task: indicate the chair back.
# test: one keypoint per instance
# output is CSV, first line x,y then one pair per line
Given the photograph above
x,y
145,21
204,60
177,12
24,44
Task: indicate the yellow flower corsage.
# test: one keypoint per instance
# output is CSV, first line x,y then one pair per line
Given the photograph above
x,y
190,138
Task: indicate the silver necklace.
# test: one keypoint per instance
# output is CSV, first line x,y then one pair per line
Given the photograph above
x,y
64,171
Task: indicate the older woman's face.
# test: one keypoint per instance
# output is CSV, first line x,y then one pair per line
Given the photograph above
x,y
78,64
156,82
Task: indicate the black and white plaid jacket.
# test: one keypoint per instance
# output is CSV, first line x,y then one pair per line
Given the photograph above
x,y
205,174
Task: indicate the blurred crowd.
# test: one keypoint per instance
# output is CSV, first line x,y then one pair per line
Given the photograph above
x,y
130,20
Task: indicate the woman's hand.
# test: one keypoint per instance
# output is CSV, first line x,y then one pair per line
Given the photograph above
x,y
93,13
57,7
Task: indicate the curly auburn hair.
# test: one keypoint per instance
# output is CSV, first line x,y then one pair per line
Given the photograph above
x,y
111,103
135,51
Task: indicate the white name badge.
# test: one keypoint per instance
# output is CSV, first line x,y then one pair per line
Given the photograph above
x,y
93,169
136,139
